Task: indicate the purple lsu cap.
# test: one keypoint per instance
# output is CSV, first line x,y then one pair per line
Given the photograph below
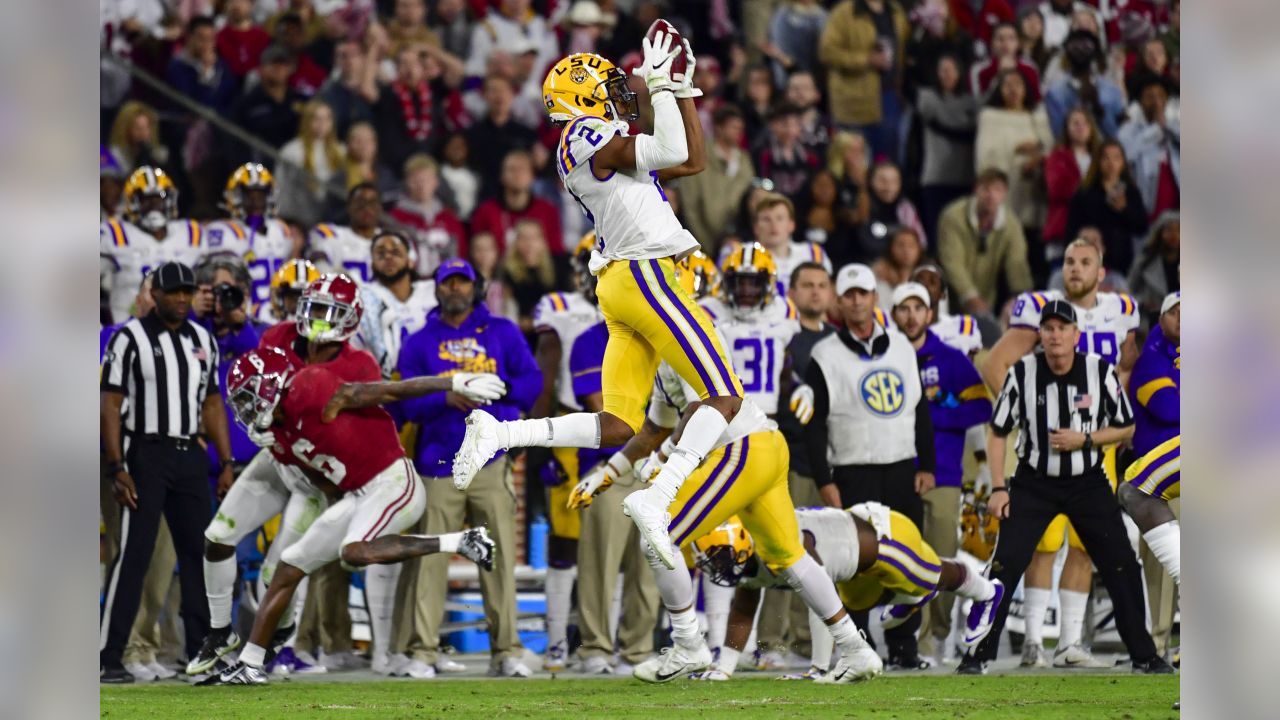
x,y
455,266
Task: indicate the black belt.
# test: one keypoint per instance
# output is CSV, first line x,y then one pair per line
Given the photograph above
x,y
181,443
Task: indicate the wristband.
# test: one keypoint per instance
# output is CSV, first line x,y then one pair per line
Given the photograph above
x,y
226,462
995,490
114,467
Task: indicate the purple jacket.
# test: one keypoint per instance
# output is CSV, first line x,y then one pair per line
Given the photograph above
x,y
484,343
958,400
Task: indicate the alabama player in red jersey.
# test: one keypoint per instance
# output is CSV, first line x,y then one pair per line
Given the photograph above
x,y
356,460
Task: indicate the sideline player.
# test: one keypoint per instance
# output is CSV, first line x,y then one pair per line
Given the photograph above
x,y
253,232
349,249
150,235
617,179
396,300
356,459
874,555
1108,327
287,286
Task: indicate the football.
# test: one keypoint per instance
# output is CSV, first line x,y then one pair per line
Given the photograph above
x,y
680,63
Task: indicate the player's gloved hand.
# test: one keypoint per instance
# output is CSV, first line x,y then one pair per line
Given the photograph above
x,y
599,480
802,403
684,81
262,438
483,388
656,68
652,465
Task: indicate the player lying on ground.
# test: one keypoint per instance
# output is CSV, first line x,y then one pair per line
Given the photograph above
x,y
357,460
874,555
617,179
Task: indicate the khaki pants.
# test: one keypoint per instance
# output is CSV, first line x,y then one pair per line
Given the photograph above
x,y
1162,593
756,15
610,541
784,618
325,622
490,500
940,531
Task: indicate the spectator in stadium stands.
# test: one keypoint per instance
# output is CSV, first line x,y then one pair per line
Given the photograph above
x,y
461,182
487,260
1109,200
1172,38
782,158
527,106
757,99
582,26
1031,36
1059,67
268,110
312,22
308,75
1156,272
408,112
863,47
1152,141
933,36
408,26
895,265
948,114
448,18
888,209
364,163
434,229
980,242
981,18
516,202
792,44
241,41
462,336
711,197
1153,60
530,271
1085,87
984,76
348,91
308,162
505,24
135,137
495,135
849,159
1013,136
110,187
1063,170
197,72
1058,16
821,220
815,127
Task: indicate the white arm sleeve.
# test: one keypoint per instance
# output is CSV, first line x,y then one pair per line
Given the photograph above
x,y
667,146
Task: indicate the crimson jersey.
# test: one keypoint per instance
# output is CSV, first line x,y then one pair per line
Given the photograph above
x,y
348,452
352,364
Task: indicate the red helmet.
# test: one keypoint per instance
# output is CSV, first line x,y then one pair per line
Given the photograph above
x,y
330,309
256,384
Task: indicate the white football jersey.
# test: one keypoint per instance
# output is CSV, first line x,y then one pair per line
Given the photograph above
x,y
798,252
629,208
387,320
960,332
835,540
568,315
263,249
337,248
757,340
1103,328
127,253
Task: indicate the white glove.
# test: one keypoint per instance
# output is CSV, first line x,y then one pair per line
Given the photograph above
x,y
656,68
652,465
684,81
802,403
262,438
982,483
483,388
599,480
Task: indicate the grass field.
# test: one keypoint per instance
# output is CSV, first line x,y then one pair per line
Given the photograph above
x,y
1015,696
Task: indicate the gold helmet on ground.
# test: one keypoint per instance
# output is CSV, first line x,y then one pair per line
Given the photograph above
x,y
723,553
588,84
698,276
288,283
249,176
750,277
978,528
143,184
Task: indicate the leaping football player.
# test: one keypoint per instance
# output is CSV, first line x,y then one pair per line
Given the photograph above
x,y
617,179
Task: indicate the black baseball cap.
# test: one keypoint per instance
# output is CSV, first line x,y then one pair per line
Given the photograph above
x,y
174,276
1060,309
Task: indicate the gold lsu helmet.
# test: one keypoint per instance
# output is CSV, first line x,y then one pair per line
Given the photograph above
x,y
697,275
978,528
724,552
249,176
750,277
580,261
585,84
293,277
146,182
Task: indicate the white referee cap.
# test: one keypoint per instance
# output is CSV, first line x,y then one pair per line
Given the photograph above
x,y
911,290
1170,301
855,275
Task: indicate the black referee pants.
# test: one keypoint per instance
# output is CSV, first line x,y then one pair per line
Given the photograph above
x,y
892,485
172,479
1087,500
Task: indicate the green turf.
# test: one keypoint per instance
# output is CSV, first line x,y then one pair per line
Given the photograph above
x,y
1020,696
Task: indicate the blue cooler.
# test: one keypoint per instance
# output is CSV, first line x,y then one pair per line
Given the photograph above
x,y
533,631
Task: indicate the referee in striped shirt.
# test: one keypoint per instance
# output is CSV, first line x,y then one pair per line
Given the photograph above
x,y
1066,406
159,384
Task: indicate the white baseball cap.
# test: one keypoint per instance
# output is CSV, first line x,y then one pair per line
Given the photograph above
x,y
855,275
911,290
1170,301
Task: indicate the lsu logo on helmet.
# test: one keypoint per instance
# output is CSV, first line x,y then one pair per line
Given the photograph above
x,y
588,84
247,177
882,391
723,553
750,277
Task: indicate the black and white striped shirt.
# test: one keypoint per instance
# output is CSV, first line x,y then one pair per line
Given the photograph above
x,y
164,375
1036,401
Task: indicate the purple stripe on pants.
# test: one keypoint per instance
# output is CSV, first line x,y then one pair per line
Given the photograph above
x,y
912,554
675,330
700,491
737,470
725,376
909,575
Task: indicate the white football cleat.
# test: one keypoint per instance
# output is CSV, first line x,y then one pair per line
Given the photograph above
x,y
982,615
1077,656
140,671
512,667
862,664
446,665
714,675
419,670
596,665
674,661
650,515
479,445
160,671
556,658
